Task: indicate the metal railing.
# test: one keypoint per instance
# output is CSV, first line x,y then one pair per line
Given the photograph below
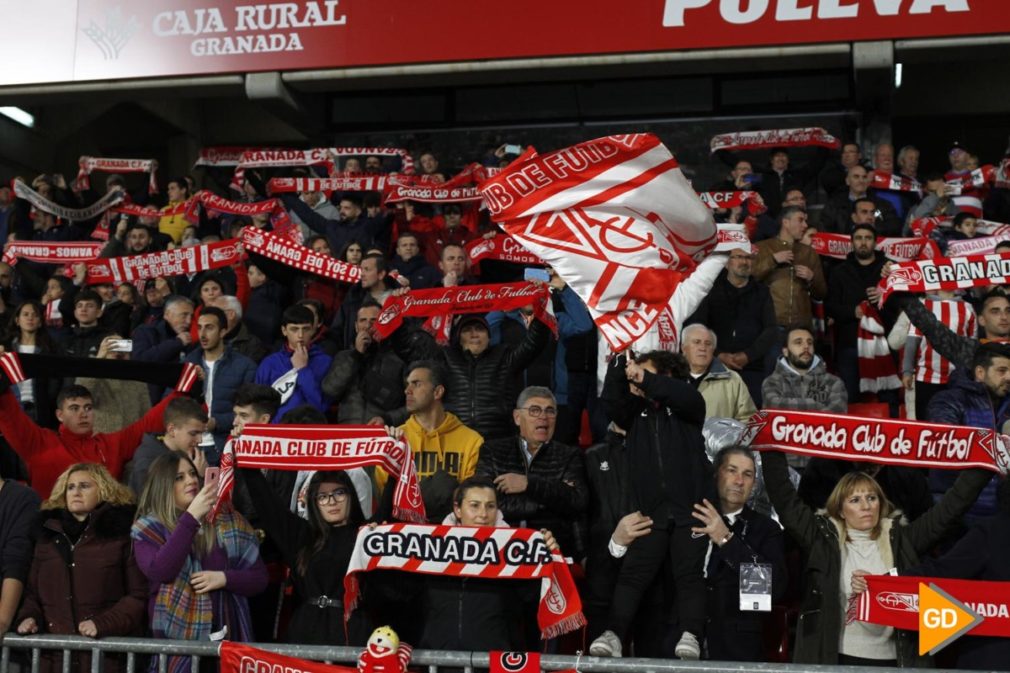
x,y
432,660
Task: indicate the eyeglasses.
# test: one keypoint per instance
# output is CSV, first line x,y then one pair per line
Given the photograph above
x,y
536,412
332,496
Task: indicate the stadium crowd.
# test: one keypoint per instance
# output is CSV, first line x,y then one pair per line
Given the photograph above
x,y
104,506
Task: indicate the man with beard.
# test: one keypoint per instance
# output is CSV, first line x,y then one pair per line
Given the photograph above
x,y
353,225
801,381
366,380
852,283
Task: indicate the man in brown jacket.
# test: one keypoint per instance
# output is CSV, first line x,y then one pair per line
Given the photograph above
x,y
790,269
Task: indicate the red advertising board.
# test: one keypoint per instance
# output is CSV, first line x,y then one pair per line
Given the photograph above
x,y
113,39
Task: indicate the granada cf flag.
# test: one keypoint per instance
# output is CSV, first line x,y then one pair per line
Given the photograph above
x,y
239,658
616,219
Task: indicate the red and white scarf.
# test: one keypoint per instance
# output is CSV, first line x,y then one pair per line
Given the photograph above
x,y
444,301
226,156
838,246
345,182
478,552
876,440
615,217
980,245
241,658
894,601
877,370
433,194
51,252
179,261
279,218
88,164
924,226
946,273
1001,179
319,156
23,191
502,248
724,200
895,183
756,140
283,249
972,181
334,447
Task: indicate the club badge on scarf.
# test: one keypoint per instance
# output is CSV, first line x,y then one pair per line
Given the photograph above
x,y
877,440
894,183
445,301
758,140
239,658
161,264
514,662
615,217
334,447
501,248
478,552
287,251
894,601
838,246
946,273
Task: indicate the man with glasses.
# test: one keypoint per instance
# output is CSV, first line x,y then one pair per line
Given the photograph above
x,y
541,483
740,312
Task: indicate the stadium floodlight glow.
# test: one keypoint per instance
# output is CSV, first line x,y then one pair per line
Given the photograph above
x,y
897,75
18,115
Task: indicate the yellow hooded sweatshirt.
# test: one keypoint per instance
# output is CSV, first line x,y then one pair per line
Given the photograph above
x,y
452,447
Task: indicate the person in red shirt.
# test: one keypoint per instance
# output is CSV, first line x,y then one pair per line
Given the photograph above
x,y
47,453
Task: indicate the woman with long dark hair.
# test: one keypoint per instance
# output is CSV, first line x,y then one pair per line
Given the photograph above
x,y
27,333
317,550
200,572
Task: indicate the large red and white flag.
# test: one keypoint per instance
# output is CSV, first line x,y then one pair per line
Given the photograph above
x,y
616,219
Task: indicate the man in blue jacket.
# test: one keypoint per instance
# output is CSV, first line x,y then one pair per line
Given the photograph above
x,y
297,370
224,372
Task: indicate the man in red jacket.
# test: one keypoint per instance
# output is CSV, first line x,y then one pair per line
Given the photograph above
x,y
48,453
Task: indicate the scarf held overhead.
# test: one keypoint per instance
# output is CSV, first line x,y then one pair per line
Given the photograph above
x,y
838,246
759,140
287,251
502,248
946,273
463,551
442,301
88,164
334,447
615,217
51,252
876,440
179,261
39,202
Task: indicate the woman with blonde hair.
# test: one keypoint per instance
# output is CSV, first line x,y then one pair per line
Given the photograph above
x,y
84,579
200,572
859,533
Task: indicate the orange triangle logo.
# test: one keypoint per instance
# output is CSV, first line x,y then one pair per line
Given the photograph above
x,y
942,619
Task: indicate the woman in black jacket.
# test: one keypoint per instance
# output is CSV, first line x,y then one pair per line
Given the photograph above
x,y
27,334
317,551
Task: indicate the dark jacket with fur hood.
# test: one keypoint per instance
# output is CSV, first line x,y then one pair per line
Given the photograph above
x,y
823,539
96,578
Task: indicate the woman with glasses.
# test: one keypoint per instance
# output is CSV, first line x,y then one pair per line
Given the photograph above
x,y
317,550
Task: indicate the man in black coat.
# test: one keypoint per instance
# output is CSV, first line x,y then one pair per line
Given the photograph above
x,y
837,214
740,311
541,483
737,535
853,282
670,471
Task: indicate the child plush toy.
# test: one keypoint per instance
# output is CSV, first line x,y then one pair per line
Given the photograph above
x,y
384,653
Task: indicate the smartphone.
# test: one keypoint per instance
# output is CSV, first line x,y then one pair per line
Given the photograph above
x,y
121,346
752,178
514,149
211,475
537,274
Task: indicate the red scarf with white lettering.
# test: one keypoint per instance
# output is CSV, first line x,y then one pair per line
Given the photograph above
x,y
877,369
724,200
757,140
838,246
946,273
615,217
894,601
502,248
320,156
51,252
876,440
894,182
433,194
472,552
240,658
443,301
284,250
189,260
89,164
334,447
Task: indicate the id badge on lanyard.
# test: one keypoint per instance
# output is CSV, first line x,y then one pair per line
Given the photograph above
x,y
755,587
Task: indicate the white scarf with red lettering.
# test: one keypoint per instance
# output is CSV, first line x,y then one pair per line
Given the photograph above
x,y
877,370
615,217
895,183
320,156
51,252
89,164
474,552
23,191
334,447
756,140
189,260
946,273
